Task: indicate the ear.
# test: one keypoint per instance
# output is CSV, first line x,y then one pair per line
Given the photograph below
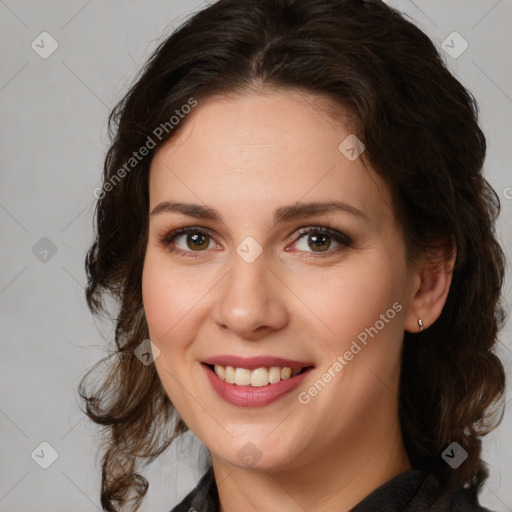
x,y
431,283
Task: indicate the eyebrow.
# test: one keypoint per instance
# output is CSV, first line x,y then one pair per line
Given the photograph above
x,y
281,214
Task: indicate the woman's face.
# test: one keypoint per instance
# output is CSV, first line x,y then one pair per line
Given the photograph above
x,y
248,287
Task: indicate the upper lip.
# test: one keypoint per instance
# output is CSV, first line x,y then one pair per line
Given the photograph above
x,y
255,362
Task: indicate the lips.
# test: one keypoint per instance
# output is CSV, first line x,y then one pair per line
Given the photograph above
x,y
248,382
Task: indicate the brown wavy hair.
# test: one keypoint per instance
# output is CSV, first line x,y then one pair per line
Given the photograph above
x,y
420,129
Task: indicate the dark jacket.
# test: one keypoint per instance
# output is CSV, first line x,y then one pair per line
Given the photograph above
x,y
412,491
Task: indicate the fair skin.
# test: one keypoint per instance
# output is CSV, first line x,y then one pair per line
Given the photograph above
x,y
245,156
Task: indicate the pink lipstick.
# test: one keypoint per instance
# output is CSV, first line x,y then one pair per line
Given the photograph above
x,y
255,381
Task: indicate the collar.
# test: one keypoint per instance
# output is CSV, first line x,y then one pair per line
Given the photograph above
x,y
411,491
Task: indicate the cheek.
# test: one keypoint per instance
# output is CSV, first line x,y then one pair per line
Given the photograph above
x,y
165,308
363,307
169,299
158,302
354,299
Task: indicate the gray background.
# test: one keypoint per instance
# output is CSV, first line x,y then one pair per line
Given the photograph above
x,y
53,115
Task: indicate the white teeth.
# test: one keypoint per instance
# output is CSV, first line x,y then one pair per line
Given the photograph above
x,y
274,375
242,377
229,375
285,373
258,377
220,371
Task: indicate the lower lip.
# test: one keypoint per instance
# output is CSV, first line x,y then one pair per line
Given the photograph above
x,y
249,396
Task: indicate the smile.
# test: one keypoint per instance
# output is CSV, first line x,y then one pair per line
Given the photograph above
x,y
251,383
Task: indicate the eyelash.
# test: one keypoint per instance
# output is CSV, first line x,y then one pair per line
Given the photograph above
x,y
167,239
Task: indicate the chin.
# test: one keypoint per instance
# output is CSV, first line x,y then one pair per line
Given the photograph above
x,y
266,455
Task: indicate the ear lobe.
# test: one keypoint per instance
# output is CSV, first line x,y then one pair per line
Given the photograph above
x,y
434,278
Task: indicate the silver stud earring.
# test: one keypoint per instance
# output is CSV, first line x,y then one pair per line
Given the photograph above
x,y
420,323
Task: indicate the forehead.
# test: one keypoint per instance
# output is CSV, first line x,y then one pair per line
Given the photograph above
x,y
264,148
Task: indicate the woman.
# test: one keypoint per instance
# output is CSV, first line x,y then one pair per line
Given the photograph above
x,y
296,226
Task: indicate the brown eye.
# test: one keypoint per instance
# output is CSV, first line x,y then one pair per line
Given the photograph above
x,y
197,241
187,240
320,240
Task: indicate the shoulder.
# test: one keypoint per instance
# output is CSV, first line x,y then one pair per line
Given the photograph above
x,y
460,499
203,498
466,500
419,491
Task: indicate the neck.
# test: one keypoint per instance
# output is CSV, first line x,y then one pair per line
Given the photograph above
x,y
336,479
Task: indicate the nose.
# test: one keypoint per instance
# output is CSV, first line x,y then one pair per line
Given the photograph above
x,y
252,303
